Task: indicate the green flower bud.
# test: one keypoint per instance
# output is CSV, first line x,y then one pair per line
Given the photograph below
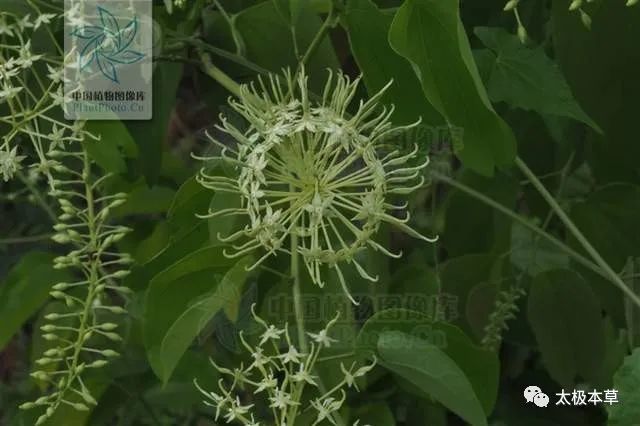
x,y
522,34
110,353
586,19
575,5
109,326
511,4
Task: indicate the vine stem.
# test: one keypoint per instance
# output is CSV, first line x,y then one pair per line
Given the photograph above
x,y
584,242
218,75
523,221
324,29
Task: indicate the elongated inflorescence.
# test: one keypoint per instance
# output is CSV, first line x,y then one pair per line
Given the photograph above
x,y
80,331
308,170
281,378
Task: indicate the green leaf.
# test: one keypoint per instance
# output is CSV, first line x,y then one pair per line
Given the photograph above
x,y
533,254
465,215
627,382
25,290
145,200
429,368
269,43
602,67
527,78
114,146
150,135
379,63
290,9
429,33
480,366
182,299
565,316
190,199
375,413
609,220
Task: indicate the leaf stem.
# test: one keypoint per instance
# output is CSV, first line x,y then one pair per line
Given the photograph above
x,y
579,236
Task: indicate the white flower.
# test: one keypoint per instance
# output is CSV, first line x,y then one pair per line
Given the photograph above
x,y
292,356
5,28
302,375
10,163
58,96
56,137
236,410
350,376
44,18
24,23
281,400
259,359
322,338
27,58
55,74
271,333
306,123
268,382
256,193
325,407
8,92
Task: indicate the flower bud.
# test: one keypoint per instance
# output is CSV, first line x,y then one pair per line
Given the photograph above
x,y
57,294
97,364
109,326
586,19
575,5
511,4
61,286
522,34
110,353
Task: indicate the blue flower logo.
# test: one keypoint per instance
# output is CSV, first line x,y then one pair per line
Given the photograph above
x,y
107,45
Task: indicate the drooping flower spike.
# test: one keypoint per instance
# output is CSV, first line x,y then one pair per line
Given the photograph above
x,y
310,173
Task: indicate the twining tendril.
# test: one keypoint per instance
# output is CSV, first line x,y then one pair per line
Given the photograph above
x,y
307,169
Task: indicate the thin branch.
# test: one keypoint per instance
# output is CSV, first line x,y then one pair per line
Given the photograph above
x,y
609,273
523,221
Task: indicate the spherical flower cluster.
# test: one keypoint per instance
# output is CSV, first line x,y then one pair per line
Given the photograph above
x,y
309,173
280,376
